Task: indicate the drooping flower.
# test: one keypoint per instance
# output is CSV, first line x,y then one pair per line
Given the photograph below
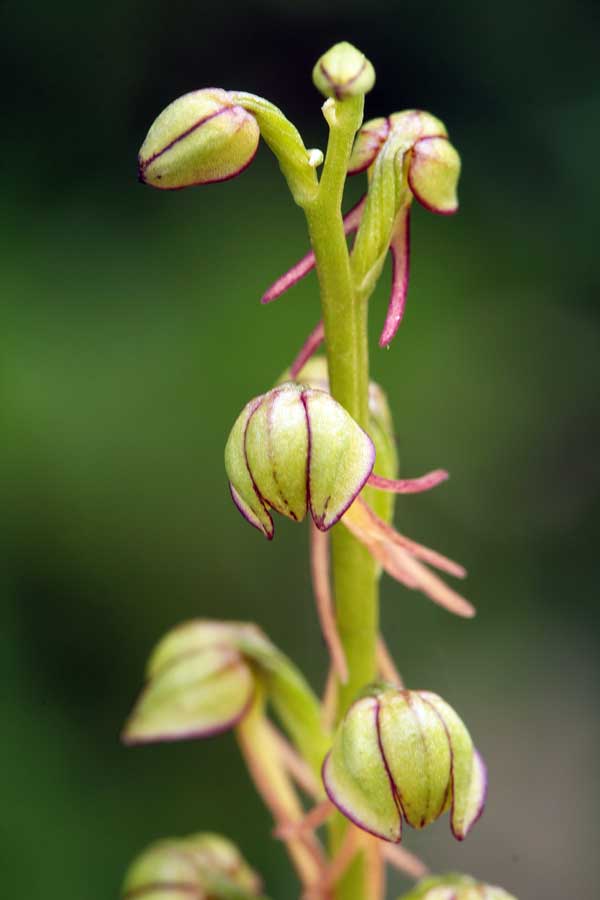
x,y
203,866
404,755
423,165
404,559
294,449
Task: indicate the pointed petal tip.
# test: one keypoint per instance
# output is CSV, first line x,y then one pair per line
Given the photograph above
x,y
477,798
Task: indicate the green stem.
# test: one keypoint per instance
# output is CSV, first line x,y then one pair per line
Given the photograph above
x,y
345,318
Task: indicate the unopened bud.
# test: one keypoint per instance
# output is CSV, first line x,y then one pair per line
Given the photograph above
x,y
404,755
455,887
203,866
200,138
295,450
412,124
343,72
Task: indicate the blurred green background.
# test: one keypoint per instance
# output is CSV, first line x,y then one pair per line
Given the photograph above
x,y
132,336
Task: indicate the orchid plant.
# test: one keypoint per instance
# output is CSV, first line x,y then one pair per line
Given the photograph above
x,y
370,754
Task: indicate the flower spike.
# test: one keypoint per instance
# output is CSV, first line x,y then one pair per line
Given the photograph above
x,y
401,754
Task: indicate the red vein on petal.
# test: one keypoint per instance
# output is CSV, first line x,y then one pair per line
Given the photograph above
x,y
400,250
310,346
319,568
305,265
409,485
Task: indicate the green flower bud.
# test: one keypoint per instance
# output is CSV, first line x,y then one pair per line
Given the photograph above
x,y
343,72
200,867
296,449
199,683
404,754
202,679
314,374
200,138
455,887
411,124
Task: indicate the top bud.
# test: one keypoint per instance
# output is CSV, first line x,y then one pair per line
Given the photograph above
x,y
343,72
200,138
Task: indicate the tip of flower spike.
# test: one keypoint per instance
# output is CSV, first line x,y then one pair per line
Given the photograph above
x,y
343,72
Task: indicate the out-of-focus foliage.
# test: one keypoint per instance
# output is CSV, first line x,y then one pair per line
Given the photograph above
x,y
131,337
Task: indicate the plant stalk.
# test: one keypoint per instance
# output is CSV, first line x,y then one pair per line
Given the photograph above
x,y
345,319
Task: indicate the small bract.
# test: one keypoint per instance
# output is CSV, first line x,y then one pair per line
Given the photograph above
x,y
404,755
202,137
295,449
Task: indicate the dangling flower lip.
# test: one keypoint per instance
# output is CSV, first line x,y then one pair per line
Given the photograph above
x,y
403,558
308,262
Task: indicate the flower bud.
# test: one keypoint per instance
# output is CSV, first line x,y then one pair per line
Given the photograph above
x,y
412,124
343,72
200,138
296,449
455,887
314,374
199,683
200,867
404,754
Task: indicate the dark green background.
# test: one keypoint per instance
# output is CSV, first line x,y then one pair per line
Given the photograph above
x,y
132,336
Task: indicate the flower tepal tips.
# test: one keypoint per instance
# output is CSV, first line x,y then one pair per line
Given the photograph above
x,y
200,138
295,449
404,755
343,72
